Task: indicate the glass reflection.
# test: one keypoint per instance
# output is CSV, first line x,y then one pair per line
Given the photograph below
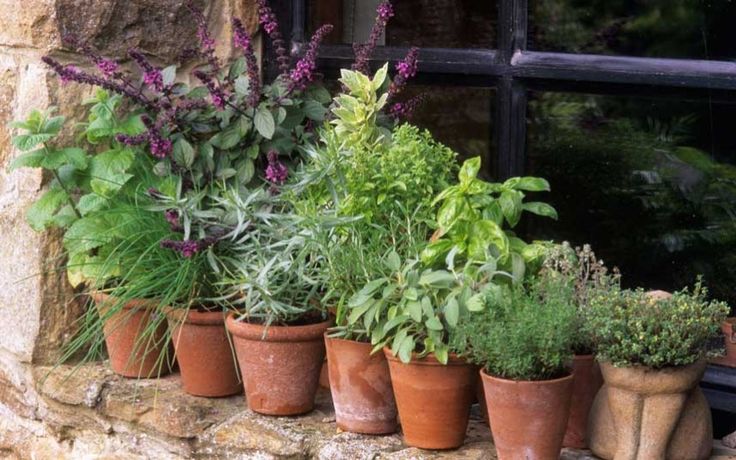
x,y
651,184
701,29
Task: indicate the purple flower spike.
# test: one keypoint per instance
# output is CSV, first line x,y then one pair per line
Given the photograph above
x,y
405,110
303,72
405,70
242,41
276,171
363,52
217,94
131,140
270,24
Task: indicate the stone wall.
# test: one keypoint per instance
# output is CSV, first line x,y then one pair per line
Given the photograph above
x,y
37,306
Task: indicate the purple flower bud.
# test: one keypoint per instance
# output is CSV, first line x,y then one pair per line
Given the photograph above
x,y
385,11
276,171
108,67
160,147
69,74
242,40
154,79
131,140
270,24
172,217
405,69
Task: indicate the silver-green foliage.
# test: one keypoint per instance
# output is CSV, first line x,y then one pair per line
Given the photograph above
x,y
522,333
415,309
634,328
275,269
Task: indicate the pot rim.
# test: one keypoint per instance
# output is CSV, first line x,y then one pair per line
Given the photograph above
x,y
585,356
248,331
192,316
429,360
486,376
340,339
100,297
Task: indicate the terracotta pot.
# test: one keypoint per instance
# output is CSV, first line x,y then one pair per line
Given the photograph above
x,y
280,365
133,352
528,418
206,358
586,383
433,400
642,413
361,387
729,335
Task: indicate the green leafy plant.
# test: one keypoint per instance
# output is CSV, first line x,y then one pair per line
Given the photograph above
x,y
275,269
475,219
522,333
416,310
580,268
87,179
634,328
379,180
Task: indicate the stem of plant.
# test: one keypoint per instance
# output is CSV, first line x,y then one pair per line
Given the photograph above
x,y
63,187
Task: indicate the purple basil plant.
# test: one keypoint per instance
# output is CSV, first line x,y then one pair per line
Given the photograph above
x,y
231,129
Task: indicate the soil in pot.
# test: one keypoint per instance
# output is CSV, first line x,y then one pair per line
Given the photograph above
x,y
642,413
586,383
133,352
729,336
280,365
361,387
528,418
433,399
204,353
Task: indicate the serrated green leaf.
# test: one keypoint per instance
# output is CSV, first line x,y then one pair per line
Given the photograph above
x,y
86,233
41,214
90,202
32,159
26,142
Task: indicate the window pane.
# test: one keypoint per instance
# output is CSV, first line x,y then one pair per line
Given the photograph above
x,y
651,184
424,23
659,28
459,117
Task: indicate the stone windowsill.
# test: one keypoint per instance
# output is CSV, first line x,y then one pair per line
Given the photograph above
x,y
111,417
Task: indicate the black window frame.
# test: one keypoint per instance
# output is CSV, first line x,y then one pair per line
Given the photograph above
x,y
512,71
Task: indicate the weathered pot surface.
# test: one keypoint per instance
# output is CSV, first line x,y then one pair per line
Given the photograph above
x,y
728,328
133,353
280,365
586,383
643,413
433,399
528,418
360,384
206,358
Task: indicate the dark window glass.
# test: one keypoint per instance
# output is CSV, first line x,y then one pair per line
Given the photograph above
x,y
459,117
651,184
702,29
424,23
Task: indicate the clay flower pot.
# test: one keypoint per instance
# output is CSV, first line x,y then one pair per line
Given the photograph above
x,y
642,413
729,334
280,365
133,353
433,399
528,418
206,358
361,387
586,383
